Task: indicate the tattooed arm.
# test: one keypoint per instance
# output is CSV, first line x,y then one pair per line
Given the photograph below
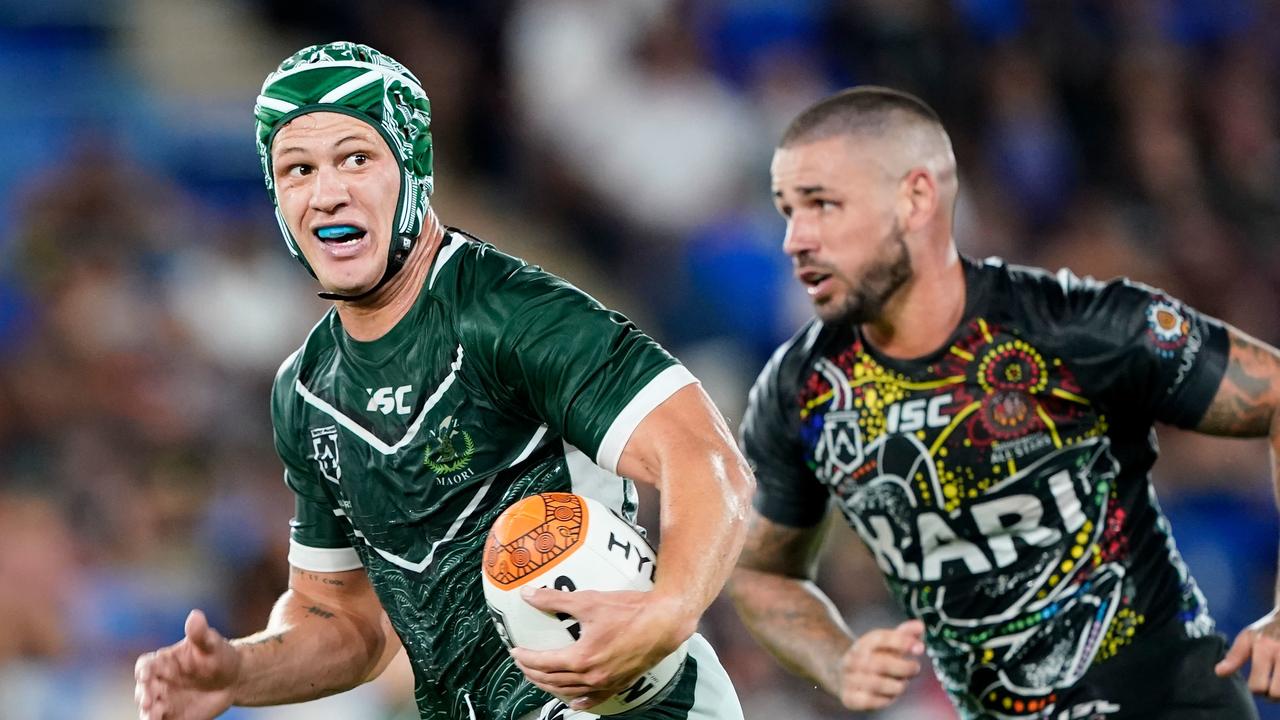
x,y
326,634
773,590
1247,404
345,638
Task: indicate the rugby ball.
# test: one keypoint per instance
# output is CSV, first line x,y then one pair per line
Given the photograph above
x,y
568,542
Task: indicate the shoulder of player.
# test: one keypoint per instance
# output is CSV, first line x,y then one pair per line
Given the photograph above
x,y
295,367
1039,294
1025,281
469,270
485,293
789,360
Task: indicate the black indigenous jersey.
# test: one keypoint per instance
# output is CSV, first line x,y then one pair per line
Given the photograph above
x,y
1002,482
502,381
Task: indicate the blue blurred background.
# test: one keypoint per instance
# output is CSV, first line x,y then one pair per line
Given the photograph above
x,y
146,298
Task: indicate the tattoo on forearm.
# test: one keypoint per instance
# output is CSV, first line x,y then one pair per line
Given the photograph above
x,y
322,579
794,624
1248,396
791,616
319,611
770,547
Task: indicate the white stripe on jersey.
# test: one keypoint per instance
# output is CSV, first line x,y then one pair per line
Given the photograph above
x,y
359,431
446,253
651,396
842,394
418,567
305,557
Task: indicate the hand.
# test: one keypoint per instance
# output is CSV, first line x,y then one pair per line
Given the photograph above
x,y
875,670
1261,643
624,633
189,680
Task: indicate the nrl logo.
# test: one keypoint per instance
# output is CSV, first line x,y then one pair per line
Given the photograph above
x,y
448,448
324,450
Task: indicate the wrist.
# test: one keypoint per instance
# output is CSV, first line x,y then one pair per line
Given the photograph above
x,y
239,654
675,615
844,656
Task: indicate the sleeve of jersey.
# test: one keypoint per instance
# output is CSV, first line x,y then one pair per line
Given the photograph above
x,y
787,492
317,540
1151,353
588,372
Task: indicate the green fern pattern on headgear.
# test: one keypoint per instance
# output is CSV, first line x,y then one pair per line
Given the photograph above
x,y
359,81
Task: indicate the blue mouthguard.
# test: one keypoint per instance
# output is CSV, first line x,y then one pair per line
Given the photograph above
x,y
337,231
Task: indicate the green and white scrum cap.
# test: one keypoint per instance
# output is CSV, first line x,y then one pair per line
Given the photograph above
x,y
359,81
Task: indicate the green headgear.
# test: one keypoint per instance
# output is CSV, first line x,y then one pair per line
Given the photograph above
x,y
359,81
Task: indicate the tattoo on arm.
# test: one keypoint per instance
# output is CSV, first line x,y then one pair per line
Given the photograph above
x,y
1249,395
782,550
322,579
320,612
777,601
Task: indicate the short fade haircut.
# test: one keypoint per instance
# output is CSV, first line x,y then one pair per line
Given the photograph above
x,y
865,109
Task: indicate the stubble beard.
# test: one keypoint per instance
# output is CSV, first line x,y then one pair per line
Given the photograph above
x,y
866,299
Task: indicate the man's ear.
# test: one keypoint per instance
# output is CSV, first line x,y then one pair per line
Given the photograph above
x,y
918,199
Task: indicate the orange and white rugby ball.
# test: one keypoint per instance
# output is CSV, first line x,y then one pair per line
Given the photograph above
x,y
568,542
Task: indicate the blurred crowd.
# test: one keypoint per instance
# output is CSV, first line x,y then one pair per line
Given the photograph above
x,y
146,298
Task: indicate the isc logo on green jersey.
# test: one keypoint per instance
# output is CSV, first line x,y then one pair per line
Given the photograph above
x,y
449,449
386,399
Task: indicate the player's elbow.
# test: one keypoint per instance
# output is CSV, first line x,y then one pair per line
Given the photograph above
x,y
739,483
376,644
745,491
388,646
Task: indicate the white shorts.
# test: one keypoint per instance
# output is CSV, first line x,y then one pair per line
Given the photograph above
x,y
703,692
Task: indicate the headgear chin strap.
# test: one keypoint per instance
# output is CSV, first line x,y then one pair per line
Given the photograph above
x,y
359,81
398,256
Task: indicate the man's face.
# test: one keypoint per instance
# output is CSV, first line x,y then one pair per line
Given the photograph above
x,y
843,237
337,183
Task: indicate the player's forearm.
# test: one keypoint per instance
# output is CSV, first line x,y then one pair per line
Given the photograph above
x,y
309,650
795,622
1247,402
704,510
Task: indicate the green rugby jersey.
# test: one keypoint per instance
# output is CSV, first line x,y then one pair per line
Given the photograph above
x,y
502,381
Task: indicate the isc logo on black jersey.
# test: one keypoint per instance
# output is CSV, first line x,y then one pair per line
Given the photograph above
x,y
917,414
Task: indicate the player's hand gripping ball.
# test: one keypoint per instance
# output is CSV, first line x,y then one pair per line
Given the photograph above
x,y
568,542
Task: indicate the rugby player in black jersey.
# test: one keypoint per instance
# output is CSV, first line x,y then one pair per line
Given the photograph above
x,y
987,431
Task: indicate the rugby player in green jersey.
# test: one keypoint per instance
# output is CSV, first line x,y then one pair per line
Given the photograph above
x,y
448,381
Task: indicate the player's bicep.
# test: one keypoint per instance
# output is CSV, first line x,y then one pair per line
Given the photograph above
x,y
343,596
1248,397
349,590
326,594
779,549
687,424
